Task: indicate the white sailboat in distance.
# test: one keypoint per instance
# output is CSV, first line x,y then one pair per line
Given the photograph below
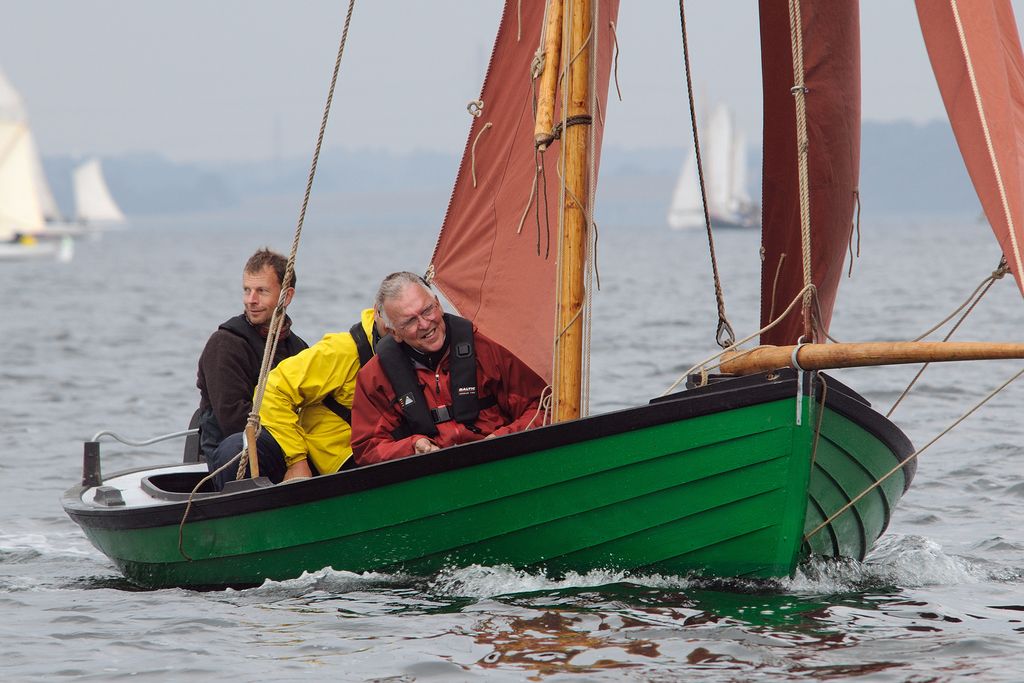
x,y
23,201
725,179
94,205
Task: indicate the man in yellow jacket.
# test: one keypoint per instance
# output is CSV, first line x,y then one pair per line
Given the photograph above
x,y
306,409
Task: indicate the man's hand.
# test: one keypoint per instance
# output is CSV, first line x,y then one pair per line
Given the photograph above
x,y
425,445
299,470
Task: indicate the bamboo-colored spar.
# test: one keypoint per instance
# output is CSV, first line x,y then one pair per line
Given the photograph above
x,y
549,78
568,370
863,354
254,460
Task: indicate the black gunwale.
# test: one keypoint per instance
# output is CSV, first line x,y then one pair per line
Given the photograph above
x,y
720,396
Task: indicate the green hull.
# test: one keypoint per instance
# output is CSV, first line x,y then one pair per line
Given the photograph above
x,y
722,492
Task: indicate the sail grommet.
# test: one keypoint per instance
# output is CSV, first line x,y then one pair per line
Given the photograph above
x,y
475,108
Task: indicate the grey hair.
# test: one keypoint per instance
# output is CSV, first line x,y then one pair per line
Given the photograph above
x,y
392,286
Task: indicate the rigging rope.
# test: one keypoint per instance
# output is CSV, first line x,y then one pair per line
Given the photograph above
x,y
974,299
724,335
590,242
799,91
702,366
275,321
911,457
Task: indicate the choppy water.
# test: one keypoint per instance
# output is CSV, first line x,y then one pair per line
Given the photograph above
x,y
110,341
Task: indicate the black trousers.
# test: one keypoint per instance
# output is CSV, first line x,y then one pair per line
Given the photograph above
x,y
269,452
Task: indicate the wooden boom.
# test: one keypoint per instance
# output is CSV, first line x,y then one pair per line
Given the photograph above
x,y
854,355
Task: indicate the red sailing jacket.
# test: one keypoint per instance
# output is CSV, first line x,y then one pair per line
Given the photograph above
x,y
375,414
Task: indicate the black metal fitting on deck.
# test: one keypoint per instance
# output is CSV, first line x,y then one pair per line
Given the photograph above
x,y
91,475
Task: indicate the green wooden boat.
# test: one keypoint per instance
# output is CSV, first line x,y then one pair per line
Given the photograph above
x,y
718,480
745,476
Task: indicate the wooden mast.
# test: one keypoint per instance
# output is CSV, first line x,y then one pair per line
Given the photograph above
x,y
568,362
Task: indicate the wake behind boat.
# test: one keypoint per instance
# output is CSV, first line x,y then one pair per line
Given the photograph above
x,y
742,475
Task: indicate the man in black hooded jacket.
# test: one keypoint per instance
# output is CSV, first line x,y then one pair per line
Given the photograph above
x,y
229,366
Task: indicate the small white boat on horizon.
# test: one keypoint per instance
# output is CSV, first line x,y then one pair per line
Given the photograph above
x,y
31,224
94,205
725,179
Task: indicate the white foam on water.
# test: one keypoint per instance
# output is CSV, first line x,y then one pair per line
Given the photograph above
x,y
905,561
326,580
26,545
485,582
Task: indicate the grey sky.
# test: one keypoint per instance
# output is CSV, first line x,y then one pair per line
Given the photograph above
x,y
246,79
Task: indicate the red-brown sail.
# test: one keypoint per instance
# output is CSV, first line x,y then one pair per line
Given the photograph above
x,y
984,100
498,275
831,54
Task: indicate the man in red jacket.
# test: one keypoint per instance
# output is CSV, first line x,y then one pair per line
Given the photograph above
x,y
436,381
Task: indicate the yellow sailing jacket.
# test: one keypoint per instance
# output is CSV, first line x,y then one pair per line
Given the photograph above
x,y
293,410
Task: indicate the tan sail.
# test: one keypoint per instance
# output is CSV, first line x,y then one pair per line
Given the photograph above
x,y
864,354
495,257
976,55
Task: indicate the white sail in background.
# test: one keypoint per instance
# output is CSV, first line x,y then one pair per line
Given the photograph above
x,y
725,175
13,113
93,202
686,209
46,201
739,195
11,106
20,212
719,159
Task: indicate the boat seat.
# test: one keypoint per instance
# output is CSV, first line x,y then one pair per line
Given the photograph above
x,y
177,486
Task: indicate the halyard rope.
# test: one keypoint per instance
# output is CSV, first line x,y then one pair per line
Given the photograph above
x,y
735,346
724,335
275,321
799,91
591,229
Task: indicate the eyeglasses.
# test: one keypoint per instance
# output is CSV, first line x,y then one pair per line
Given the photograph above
x,y
427,315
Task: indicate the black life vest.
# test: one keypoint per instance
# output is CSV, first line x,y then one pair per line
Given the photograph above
x,y
287,347
210,432
362,343
365,349
417,418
